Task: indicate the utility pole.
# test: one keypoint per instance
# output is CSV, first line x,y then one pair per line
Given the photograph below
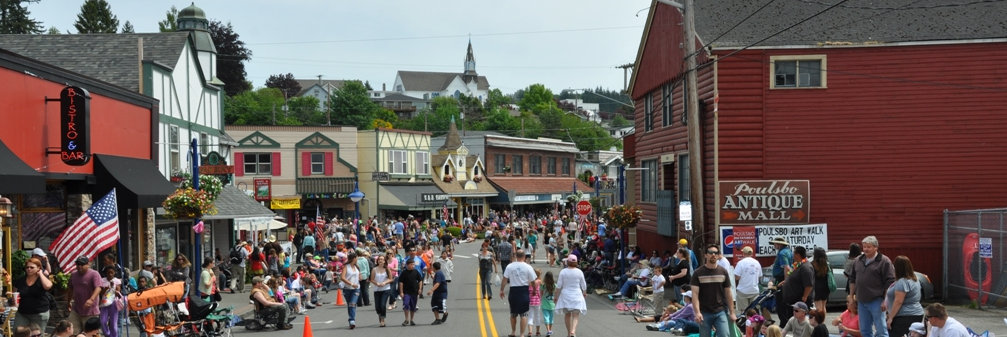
x,y
695,124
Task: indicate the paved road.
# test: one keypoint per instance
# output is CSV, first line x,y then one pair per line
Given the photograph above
x,y
469,317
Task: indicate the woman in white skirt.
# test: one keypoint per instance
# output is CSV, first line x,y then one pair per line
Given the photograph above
x,y
571,291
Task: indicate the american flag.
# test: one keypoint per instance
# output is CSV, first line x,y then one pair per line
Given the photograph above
x,y
95,230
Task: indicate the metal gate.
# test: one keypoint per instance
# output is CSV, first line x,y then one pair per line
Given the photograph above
x,y
975,267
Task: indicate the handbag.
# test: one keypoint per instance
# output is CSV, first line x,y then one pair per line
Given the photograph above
x,y
832,281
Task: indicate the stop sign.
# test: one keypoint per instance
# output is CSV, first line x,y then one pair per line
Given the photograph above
x,y
583,207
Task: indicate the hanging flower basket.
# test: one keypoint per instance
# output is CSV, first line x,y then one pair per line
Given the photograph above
x,y
187,203
207,183
622,216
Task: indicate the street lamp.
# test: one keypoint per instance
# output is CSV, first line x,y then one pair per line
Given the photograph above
x,y
6,208
6,212
356,196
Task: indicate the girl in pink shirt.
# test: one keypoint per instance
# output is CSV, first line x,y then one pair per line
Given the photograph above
x,y
849,321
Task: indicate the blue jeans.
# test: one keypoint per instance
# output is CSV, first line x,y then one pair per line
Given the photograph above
x,y
688,327
625,286
714,320
350,295
872,316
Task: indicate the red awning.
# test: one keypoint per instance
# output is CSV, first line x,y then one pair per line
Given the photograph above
x,y
536,185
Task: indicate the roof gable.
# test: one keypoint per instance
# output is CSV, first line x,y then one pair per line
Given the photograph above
x,y
113,58
319,141
258,140
660,52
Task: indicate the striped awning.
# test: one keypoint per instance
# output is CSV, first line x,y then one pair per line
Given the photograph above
x,y
325,185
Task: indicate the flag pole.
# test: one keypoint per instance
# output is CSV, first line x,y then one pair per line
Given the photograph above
x,y
197,256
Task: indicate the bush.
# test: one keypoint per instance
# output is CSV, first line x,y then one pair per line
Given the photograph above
x,y
455,231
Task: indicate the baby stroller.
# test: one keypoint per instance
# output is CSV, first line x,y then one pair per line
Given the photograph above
x,y
764,304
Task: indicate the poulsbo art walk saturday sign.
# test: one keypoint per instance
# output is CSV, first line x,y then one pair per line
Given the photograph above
x,y
764,202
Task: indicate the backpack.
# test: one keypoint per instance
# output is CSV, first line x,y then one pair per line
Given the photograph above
x,y
235,256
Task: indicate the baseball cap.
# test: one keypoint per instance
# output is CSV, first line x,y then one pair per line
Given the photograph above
x,y
81,260
683,242
747,250
800,306
38,251
148,263
571,258
918,327
688,294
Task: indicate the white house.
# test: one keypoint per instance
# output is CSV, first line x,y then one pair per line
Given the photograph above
x,y
428,85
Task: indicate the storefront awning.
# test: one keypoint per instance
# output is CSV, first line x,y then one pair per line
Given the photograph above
x,y
138,182
258,224
410,197
325,185
525,190
232,203
16,176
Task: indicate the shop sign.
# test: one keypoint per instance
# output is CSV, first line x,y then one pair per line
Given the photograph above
x,y
525,198
326,195
758,237
434,197
764,202
75,131
216,169
381,176
285,203
263,189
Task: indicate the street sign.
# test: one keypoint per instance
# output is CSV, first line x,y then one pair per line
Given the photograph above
x,y
685,210
584,207
986,248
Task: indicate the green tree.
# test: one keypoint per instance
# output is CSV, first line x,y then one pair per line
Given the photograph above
x,y
305,110
127,28
231,58
170,23
497,99
53,31
286,83
351,105
258,107
619,121
14,18
96,18
534,96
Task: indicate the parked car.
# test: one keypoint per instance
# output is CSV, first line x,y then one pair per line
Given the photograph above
x,y
837,260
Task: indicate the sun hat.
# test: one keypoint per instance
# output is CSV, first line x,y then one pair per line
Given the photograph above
x,y
688,294
780,240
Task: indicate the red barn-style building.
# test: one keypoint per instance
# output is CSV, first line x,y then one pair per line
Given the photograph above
x,y
891,115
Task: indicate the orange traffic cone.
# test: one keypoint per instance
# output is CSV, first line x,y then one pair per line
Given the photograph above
x,y
339,298
307,327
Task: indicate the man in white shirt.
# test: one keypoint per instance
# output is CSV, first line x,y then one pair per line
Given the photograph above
x,y
519,276
747,274
942,325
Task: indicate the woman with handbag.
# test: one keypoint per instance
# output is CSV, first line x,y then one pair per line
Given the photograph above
x,y
110,303
823,274
34,297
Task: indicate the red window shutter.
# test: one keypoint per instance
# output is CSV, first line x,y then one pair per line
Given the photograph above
x,y
239,164
276,163
305,163
328,163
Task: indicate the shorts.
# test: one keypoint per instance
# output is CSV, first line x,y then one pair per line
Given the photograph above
x,y
519,301
409,302
438,302
547,317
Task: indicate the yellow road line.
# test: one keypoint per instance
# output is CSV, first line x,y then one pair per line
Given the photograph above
x,y
489,311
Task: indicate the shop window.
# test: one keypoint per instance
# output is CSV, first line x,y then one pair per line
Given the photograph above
x,y
550,165
801,71
259,163
422,162
566,166
518,165
534,164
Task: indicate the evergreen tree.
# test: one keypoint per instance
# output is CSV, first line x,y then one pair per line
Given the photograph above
x,y
53,31
95,18
231,58
127,28
14,18
170,23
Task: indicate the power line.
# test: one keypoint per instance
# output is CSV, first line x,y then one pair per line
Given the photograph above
x,y
430,37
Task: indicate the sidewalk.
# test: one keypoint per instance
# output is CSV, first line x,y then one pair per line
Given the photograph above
x,y
988,318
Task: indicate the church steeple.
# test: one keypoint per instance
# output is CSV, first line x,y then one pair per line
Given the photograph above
x,y
470,61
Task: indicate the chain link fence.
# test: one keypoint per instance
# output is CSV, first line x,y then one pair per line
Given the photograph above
x,y
975,265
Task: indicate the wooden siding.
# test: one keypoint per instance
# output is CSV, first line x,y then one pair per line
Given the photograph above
x,y
900,134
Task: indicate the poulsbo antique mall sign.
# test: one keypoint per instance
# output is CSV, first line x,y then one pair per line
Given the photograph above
x,y
75,133
764,202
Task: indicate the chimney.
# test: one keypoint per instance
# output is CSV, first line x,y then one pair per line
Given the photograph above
x,y
383,87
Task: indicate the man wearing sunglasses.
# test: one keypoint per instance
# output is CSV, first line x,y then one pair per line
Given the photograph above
x,y
942,325
712,300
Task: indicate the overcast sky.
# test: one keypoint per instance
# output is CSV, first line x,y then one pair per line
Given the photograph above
x,y
560,43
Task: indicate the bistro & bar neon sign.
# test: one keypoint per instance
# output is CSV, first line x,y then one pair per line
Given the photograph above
x,y
75,131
